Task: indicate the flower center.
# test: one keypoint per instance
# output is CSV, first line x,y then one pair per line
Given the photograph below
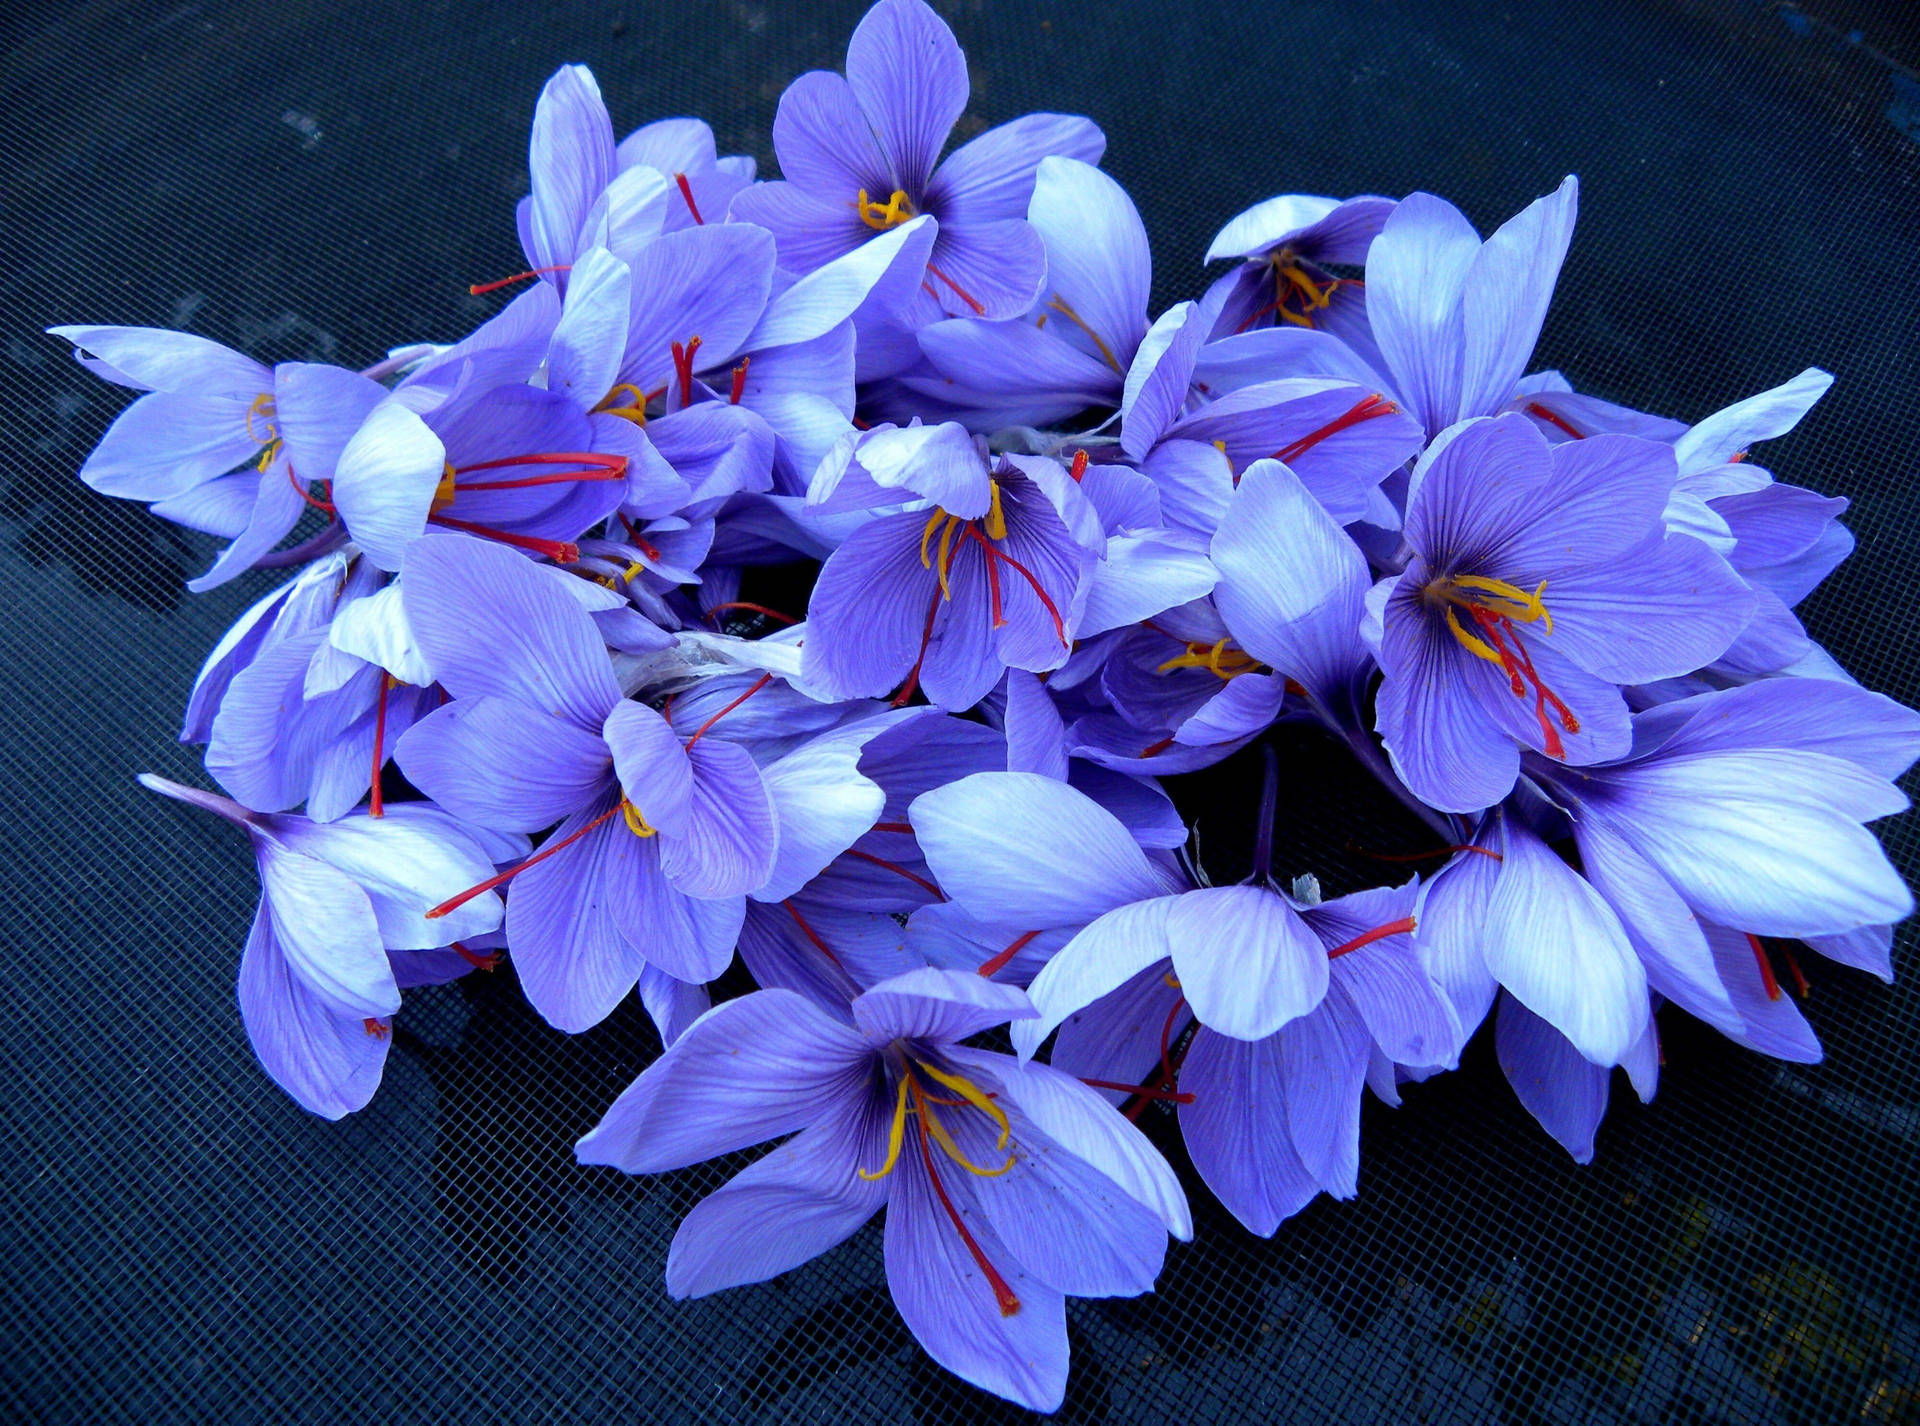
x,y
268,432
1216,658
880,216
636,824
595,466
1495,607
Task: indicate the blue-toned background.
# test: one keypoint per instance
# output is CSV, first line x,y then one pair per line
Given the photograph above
x,y
178,1242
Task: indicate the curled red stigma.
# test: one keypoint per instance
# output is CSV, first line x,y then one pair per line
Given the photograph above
x,y
686,192
683,368
755,608
1002,1294
739,381
1534,408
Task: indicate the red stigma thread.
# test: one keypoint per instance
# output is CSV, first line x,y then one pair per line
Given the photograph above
x,y
475,958
1002,1294
1424,856
376,806
686,192
811,934
1169,1066
1173,1095
1534,408
456,902
376,1029
739,381
1364,410
898,870
559,551
905,694
599,466
1078,470
994,552
1379,933
959,291
1153,750
906,827
1518,665
753,608
758,684
481,289
990,968
683,368
324,506
1766,967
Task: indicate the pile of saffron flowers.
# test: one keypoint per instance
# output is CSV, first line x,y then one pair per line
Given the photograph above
x,y
512,701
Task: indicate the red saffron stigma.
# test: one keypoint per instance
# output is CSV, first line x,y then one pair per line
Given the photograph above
x,y
599,467
683,368
1800,986
375,1028
990,968
906,827
1766,967
1424,856
1364,410
1378,933
1078,470
895,867
1534,408
1002,1294
324,506
1153,750
811,934
1174,1095
456,902
481,289
376,806
755,608
559,551
739,381
686,192
905,694
993,584
1169,1070
758,684
1518,665
474,958
959,291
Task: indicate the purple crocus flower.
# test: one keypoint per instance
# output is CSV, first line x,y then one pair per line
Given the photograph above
x,y
1540,579
860,155
993,576
659,838
219,442
317,991
1284,245
1008,1188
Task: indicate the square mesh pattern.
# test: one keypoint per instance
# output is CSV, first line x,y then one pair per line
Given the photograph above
x,y
308,180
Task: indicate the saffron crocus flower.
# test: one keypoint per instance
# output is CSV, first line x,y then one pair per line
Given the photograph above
x,y
1541,578
317,991
659,837
219,442
860,155
1284,245
992,577
1073,349
1007,1188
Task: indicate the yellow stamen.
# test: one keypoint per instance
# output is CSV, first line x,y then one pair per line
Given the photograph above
x,y
896,1136
636,824
945,1141
1172,984
262,406
996,525
633,572
267,453
926,536
1216,658
881,216
443,493
1472,643
945,562
635,411
971,1092
1516,603
1060,305
1316,296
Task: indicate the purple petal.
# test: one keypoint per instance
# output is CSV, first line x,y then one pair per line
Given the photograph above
x,y
1323,1067
868,610
588,342
1236,1130
824,142
726,847
884,271
385,482
1417,270
1506,294
708,282
909,78
1730,431
1564,1092
1766,1020
689,938
276,510
1117,1037
1036,738
822,803
1245,960
1323,229
987,269
1407,1015
1098,263
787,1208
160,360
808,231
571,159
652,764
318,408
325,928
1868,948
940,1006
493,623
329,1063
1106,958
502,764
747,1071
992,176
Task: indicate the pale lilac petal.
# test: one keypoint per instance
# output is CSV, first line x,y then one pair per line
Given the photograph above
x,y
822,803
937,1005
1036,738
992,176
993,270
584,359
502,764
325,927
808,231
571,159
1417,270
787,1208
492,623
276,510
330,1063
909,78
708,282
1143,575
1869,949
160,360
726,847
1109,954
1098,263
1506,294
689,938
1558,948
824,142
884,271
1731,431
1407,1015
317,409
384,484
747,1071
574,962
1765,1021
654,770
1236,1130
863,627
1324,229
1160,376
671,1004
1245,960
1323,1066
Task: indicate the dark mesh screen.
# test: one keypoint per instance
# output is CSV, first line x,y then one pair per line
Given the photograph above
x,y
304,179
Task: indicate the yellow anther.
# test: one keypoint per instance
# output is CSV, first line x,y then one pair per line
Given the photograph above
x,y
636,824
1504,598
1315,295
1060,305
996,518
944,564
267,453
1472,643
926,536
945,1141
444,492
1216,658
895,1137
971,1092
633,572
262,406
1172,984
881,216
635,410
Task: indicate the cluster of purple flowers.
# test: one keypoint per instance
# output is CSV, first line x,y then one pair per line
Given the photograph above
x,y
1064,550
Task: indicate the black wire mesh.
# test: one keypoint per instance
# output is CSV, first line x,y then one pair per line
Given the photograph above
x,y
307,180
